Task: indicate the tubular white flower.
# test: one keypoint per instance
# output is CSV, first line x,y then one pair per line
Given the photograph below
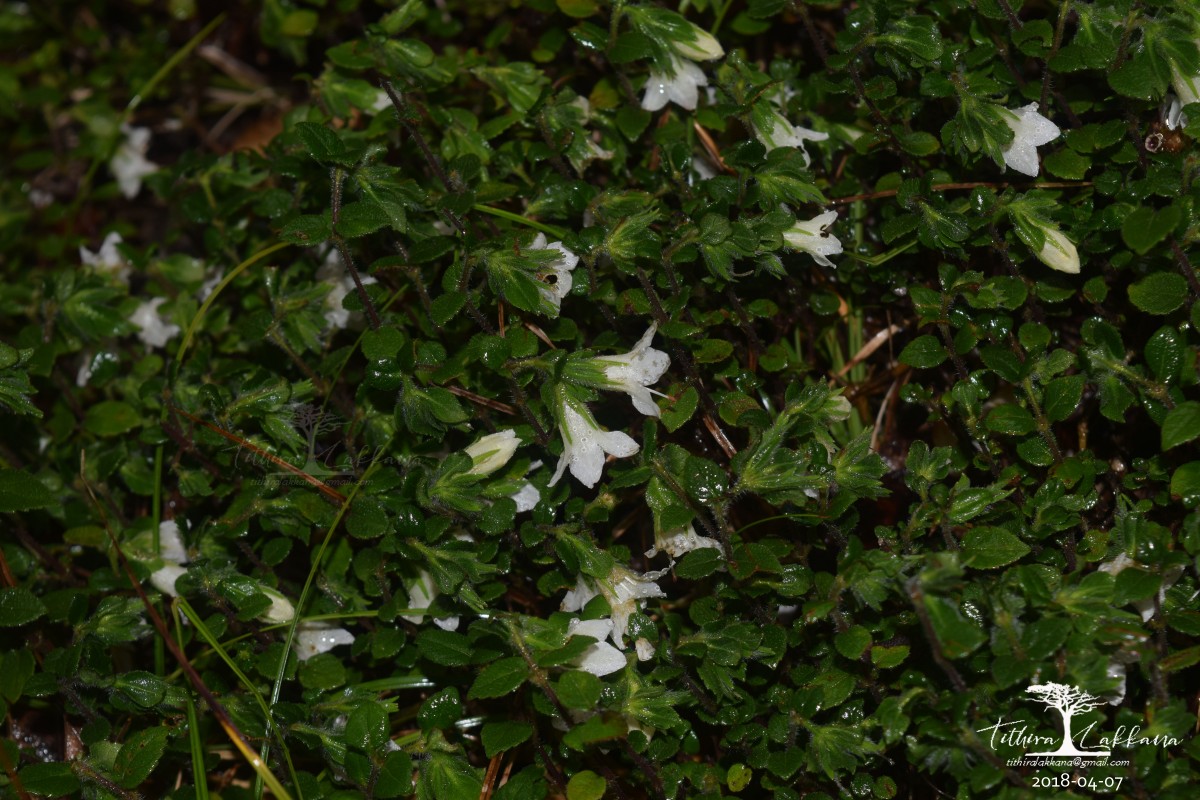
x,y
677,543
1030,131
561,269
811,237
623,588
421,593
281,609
773,130
585,443
490,453
314,638
601,658
1187,87
170,544
644,648
164,578
153,330
129,164
107,259
623,591
681,86
636,370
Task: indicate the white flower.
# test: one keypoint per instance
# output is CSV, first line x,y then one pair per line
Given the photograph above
x,y
170,544
585,443
164,578
1186,87
1059,252
601,658
681,541
561,269
1172,113
281,610
314,638
420,594
644,648
812,238
773,130
622,589
634,371
129,164
526,498
153,330
1030,131
490,453
681,87
107,259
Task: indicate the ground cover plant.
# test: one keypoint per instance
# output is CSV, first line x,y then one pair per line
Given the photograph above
x,y
584,398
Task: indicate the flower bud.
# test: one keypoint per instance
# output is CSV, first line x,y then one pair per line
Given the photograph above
x,y
490,453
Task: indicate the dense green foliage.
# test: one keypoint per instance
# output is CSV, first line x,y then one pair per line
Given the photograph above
x,y
922,430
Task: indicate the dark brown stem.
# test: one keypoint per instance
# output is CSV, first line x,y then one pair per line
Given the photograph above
x,y
1185,266
1013,19
918,602
335,204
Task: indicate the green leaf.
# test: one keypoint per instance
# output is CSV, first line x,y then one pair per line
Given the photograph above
x,y
140,755
1185,484
738,777
53,779
367,727
586,785
1164,353
1182,424
923,352
1133,584
499,678
362,217
1159,293
699,563
504,735
440,710
957,635
1145,227
448,776
917,37
578,8
970,503
632,122
1067,164
395,776
1010,418
323,144
20,491
1061,396
988,548
853,642
19,606
447,648
580,690
683,409
111,418
308,229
